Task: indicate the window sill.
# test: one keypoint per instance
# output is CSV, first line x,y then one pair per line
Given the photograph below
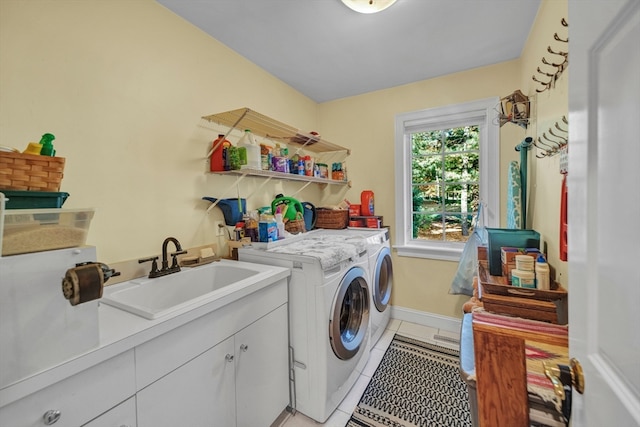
x,y
441,254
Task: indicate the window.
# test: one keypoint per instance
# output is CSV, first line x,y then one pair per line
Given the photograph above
x,y
447,161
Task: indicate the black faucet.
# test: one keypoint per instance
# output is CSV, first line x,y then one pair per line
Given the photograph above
x,y
165,269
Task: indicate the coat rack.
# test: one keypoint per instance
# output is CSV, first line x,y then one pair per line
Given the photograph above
x,y
554,139
552,68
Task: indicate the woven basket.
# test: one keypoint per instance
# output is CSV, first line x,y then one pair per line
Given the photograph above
x,y
332,218
20,171
295,226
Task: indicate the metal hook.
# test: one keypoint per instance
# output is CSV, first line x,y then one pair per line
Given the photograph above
x,y
558,144
544,61
564,22
546,146
545,73
540,81
557,38
560,129
565,54
564,119
558,136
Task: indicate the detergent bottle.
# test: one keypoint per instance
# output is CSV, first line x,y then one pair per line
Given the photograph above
x,y
217,155
253,151
366,202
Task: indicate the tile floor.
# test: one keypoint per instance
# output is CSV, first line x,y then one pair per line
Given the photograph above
x,y
340,417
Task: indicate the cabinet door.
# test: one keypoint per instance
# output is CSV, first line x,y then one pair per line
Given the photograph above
x,y
123,415
262,370
199,393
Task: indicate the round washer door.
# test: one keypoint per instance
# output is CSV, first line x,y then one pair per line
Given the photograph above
x,y
350,314
383,280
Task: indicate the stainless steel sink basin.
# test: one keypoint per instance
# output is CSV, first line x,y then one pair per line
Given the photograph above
x,y
154,298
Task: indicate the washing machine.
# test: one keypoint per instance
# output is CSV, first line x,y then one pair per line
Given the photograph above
x,y
329,309
380,271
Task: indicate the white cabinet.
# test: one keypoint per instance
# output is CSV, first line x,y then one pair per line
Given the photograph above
x,y
262,380
199,393
123,415
241,381
76,400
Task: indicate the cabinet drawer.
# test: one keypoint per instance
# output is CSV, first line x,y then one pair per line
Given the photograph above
x,y
79,398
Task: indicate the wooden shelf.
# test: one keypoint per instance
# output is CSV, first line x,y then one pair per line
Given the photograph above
x,y
266,127
283,176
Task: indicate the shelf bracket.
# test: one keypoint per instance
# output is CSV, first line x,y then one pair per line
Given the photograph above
x,y
259,187
301,188
214,204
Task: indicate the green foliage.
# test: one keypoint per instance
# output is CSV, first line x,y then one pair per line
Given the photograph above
x,y
445,175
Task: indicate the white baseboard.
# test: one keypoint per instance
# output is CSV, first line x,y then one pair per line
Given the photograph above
x,y
424,318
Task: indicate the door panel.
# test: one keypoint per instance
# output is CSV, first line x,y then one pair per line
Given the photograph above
x,y
604,208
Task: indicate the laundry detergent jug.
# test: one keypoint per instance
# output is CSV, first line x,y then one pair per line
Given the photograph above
x,y
291,206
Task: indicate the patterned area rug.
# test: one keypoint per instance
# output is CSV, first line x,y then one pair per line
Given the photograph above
x,y
416,384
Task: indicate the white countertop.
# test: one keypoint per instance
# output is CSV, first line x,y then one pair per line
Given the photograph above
x,y
121,331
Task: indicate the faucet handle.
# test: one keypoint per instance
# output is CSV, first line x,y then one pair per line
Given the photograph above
x,y
174,256
154,264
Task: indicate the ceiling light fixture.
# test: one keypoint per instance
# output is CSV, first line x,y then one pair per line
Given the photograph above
x,y
368,6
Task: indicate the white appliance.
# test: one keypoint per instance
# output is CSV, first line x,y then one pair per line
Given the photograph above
x,y
329,306
39,328
380,272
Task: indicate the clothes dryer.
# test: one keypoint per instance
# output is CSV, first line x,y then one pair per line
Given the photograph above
x,y
329,309
380,271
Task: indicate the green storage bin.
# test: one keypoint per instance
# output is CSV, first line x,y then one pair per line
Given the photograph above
x,y
34,199
499,237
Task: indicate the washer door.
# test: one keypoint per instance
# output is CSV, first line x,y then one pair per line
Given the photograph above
x,y
350,314
382,280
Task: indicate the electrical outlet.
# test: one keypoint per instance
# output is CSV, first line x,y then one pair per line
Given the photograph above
x,y
219,228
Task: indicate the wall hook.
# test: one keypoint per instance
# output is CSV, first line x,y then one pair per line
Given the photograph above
x,y
557,38
565,54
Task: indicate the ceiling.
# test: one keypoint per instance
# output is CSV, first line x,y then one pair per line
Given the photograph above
x,y
327,51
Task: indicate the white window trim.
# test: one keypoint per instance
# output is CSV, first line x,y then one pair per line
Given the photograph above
x,y
440,118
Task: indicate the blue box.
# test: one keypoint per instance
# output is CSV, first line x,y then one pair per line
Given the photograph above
x,y
499,237
267,231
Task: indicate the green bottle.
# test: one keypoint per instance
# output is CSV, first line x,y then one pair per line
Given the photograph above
x,y
47,145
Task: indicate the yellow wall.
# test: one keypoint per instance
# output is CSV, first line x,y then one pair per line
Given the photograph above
x,y
549,107
123,85
367,123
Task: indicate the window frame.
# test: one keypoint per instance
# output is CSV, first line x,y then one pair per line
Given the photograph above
x,y
481,112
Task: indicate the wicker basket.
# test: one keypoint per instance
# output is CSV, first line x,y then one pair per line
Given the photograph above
x,y
295,226
20,171
332,218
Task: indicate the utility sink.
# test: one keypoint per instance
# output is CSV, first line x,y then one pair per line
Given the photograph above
x,y
154,298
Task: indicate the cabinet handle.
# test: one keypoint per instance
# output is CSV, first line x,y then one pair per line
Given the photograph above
x,y
51,417
244,347
229,358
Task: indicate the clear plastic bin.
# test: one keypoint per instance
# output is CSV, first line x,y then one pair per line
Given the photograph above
x,y
37,230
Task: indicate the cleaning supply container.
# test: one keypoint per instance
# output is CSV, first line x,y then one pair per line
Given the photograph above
x,y
253,151
218,147
366,203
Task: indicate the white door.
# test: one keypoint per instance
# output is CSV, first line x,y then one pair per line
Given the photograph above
x,y
604,209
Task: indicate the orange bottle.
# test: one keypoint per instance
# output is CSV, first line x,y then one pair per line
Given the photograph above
x,y
217,155
366,203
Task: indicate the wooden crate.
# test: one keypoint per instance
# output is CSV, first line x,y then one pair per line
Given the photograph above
x,y
499,297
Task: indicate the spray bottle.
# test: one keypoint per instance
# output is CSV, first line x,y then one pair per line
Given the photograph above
x,y
47,145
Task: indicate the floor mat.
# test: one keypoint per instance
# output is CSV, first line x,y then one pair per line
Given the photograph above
x,y
416,384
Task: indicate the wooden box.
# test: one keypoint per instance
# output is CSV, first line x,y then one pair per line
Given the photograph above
x,y
499,297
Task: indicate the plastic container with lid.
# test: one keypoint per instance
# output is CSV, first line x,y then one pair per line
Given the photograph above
x,y
253,151
542,274
523,279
